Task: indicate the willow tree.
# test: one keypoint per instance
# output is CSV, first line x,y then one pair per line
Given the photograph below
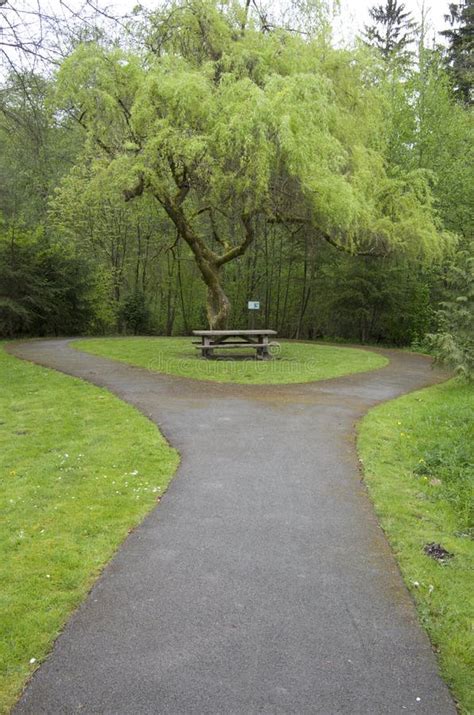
x,y
229,125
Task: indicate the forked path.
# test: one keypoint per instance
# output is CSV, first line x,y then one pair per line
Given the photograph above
x,y
262,583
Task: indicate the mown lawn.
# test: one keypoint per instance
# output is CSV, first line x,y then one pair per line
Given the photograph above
x,y
418,458
296,362
79,469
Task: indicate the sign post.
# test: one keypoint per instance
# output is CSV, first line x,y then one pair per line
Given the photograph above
x,y
253,305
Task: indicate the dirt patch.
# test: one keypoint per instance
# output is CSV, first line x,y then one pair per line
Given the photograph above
x,y
438,552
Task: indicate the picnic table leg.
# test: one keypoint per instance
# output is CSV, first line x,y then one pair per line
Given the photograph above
x,y
265,352
207,351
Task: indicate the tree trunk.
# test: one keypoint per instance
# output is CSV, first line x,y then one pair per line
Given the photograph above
x,y
171,297
181,293
218,305
208,261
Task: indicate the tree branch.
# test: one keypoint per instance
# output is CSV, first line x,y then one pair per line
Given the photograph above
x,y
242,247
346,249
326,237
98,141
202,253
137,190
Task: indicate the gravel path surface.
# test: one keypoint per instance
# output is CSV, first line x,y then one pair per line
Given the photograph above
x,y
262,583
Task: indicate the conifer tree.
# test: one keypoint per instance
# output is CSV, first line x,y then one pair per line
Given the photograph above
x,y
461,48
392,31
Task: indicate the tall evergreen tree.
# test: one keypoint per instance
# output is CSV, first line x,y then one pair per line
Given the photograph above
x,y
392,31
461,48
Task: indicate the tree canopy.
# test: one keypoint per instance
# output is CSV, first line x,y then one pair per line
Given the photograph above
x,y
227,126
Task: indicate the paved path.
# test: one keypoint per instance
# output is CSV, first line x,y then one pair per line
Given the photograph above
x,y
262,583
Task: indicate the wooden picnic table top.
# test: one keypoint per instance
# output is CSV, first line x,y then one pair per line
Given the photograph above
x,y
223,333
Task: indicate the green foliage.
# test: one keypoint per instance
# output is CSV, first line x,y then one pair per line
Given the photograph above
x,y
431,131
35,152
372,301
418,456
44,288
453,344
74,483
461,46
134,314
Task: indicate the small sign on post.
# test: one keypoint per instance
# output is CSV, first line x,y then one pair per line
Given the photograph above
x,y
252,306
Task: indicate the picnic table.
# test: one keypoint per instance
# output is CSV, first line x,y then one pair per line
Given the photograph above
x,y
211,340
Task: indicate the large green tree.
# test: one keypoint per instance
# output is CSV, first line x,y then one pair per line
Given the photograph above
x,y
229,128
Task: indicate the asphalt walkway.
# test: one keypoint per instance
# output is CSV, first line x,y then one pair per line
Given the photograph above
x,y
262,583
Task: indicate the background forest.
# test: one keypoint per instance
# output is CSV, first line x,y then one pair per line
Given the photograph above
x,y
212,147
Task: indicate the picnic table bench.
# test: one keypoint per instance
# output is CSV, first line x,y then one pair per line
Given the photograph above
x,y
211,340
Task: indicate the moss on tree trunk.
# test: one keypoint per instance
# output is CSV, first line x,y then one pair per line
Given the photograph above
x,y
218,305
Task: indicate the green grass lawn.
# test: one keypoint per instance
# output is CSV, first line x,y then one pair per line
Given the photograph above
x,y
297,362
79,469
418,457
